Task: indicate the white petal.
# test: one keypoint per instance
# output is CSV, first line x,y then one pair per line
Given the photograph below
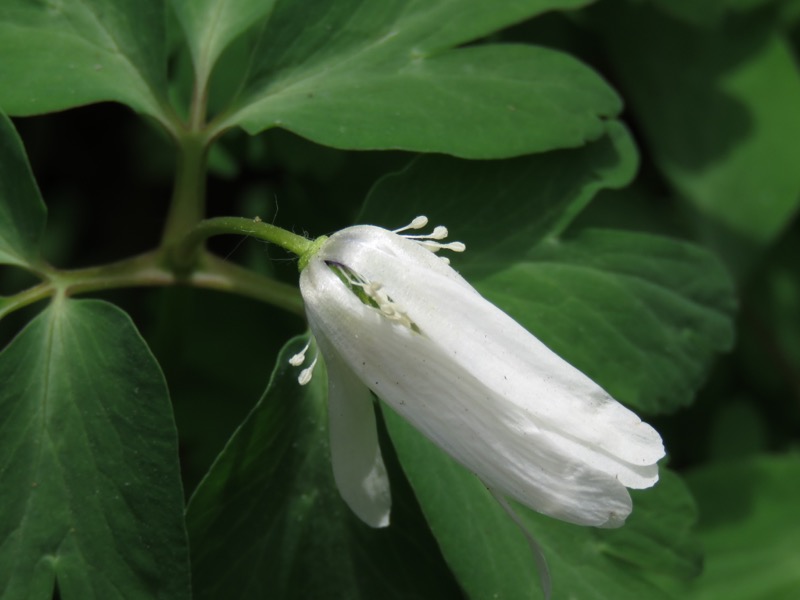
x,y
478,384
367,241
459,413
358,467
501,353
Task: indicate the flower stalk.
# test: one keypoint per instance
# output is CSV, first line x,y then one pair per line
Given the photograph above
x,y
256,228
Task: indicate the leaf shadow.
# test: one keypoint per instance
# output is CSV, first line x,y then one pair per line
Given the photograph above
x,y
675,77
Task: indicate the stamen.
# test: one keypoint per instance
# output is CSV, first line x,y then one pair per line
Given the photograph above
x,y
305,374
436,246
455,246
299,358
431,241
386,305
372,294
439,233
418,223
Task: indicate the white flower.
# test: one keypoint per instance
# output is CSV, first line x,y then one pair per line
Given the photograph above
x,y
391,316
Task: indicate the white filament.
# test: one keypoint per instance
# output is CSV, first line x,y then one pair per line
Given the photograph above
x,y
430,241
418,223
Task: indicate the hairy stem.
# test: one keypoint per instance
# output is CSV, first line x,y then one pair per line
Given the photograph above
x,y
287,240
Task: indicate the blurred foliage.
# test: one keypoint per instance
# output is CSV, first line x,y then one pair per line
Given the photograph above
x,y
749,527
640,249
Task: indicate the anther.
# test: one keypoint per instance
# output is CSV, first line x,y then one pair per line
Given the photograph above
x,y
305,374
455,246
431,241
372,294
418,223
299,358
439,233
436,246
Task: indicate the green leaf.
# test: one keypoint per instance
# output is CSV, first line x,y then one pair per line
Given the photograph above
x,y
267,521
718,110
525,199
92,499
749,528
22,212
643,315
368,75
67,53
489,554
211,25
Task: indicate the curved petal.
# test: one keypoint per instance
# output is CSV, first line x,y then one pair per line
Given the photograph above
x,y
358,467
500,352
470,421
477,383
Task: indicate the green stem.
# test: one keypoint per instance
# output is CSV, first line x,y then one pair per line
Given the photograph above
x,y
9,304
222,275
287,240
188,200
148,270
142,270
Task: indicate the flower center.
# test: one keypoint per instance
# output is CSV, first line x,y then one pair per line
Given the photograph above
x,y
372,294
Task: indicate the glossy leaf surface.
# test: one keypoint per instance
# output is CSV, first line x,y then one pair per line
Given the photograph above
x,y
93,503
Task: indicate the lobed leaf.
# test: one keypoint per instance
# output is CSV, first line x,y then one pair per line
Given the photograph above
x,y
22,211
644,315
67,53
92,498
363,75
211,25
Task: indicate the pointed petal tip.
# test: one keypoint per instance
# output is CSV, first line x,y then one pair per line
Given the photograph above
x,y
381,522
377,516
